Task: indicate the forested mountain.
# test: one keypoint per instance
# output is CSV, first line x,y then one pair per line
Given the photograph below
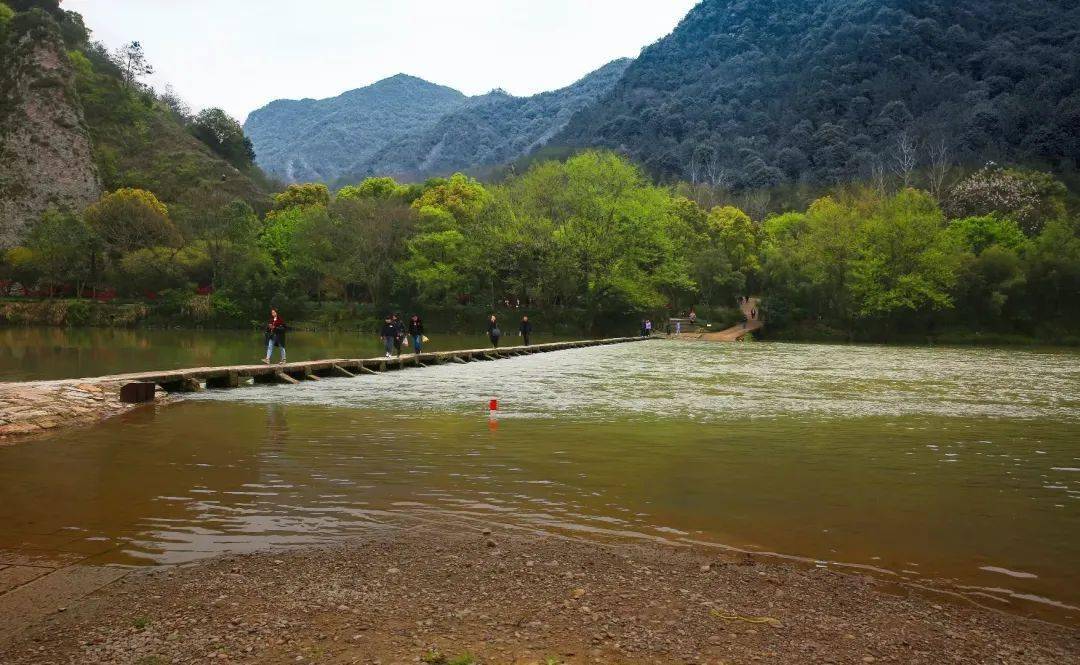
x,y
490,130
751,94
323,139
76,122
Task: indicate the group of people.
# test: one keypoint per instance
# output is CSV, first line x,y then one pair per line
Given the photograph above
x,y
495,332
394,333
646,327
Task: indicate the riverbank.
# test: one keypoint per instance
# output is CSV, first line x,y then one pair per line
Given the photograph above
x,y
418,592
37,407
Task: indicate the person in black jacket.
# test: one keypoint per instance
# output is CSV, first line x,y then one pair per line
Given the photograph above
x,y
525,329
416,333
493,331
399,335
388,334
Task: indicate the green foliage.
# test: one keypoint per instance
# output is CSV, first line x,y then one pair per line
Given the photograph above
x,y
309,194
63,248
978,233
753,94
904,264
224,136
130,219
461,196
380,189
6,14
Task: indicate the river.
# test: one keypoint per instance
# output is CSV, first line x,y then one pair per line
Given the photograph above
x,y
950,468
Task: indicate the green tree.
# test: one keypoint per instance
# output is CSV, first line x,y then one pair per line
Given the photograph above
x,y
63,249
1052,267
461,196
370,241
374,188
978,233
612,238
905,265
441,261
225,136
307,194
130,219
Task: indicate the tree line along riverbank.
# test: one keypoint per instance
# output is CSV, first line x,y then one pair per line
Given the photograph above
x,y
352,317
588,241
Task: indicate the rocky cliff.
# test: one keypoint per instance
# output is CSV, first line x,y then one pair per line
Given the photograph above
x,y
45,151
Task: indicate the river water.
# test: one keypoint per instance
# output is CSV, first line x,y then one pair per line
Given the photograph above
x,y
950,468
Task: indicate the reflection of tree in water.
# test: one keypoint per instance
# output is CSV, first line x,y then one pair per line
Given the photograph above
x,y
277,424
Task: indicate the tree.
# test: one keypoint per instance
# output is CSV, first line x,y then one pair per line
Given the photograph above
x,y
374,188
225,136
904,158
904,264
370,242
130,219
976,234
1031,198
176,104
461,196
63,249
441,261
941,164
308,194
132,62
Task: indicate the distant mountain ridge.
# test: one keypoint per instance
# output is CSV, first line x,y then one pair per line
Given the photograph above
x,y
773,92
412,129
322,139
491,130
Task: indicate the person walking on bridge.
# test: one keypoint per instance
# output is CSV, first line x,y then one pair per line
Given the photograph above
x,y
275,336
416,333
388,334
399,333
493,331
525,329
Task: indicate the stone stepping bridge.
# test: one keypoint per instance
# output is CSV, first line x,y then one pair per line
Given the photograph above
x,y
34,407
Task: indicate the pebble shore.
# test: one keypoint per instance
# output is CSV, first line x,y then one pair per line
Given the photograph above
x,y
470,595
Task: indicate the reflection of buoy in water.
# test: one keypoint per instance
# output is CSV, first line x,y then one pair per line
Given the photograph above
x,y
493,413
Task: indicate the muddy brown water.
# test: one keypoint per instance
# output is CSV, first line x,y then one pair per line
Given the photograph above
x,y
949,468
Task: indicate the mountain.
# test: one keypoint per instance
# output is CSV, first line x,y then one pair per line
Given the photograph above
x,y
46,157
755,94
73,125
323,139
490,130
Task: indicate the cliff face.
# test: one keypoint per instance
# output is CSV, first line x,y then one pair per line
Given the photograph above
x,y
45,151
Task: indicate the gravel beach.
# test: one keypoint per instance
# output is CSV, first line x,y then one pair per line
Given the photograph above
x,y
445,594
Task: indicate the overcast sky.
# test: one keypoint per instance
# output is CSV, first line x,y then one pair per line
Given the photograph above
x,y
240,54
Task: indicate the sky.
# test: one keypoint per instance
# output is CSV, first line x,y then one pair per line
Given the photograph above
x,y
241,54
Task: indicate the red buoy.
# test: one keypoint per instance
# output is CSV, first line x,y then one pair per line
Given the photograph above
x,y
493,405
